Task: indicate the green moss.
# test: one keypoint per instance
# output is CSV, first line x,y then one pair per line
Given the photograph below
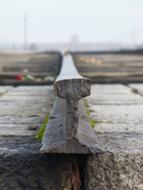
x,y
85,101
41,130
91,121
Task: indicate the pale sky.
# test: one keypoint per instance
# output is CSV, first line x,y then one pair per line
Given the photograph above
x,y
58,20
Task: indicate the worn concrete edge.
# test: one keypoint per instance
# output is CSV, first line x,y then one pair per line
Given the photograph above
x,y
55,138
15,145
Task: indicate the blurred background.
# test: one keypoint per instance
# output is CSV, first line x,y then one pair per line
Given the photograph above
x,y
105,38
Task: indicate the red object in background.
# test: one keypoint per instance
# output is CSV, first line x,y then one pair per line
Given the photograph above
x,y
19,77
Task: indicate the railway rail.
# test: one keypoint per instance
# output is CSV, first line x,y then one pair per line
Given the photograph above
x,y
62,128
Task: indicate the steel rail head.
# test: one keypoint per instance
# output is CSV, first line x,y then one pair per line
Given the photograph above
x,y
70,84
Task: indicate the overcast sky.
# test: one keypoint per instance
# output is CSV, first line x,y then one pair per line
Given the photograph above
x,y
58,20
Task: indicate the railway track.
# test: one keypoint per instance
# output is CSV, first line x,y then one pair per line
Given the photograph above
x,y
29,68
110,67
90,142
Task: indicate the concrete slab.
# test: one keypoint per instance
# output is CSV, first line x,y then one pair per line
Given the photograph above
x,y
109,89
23,107
118,116
115,99
28,91
4,89
118,135
122,114
16,130
113,94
